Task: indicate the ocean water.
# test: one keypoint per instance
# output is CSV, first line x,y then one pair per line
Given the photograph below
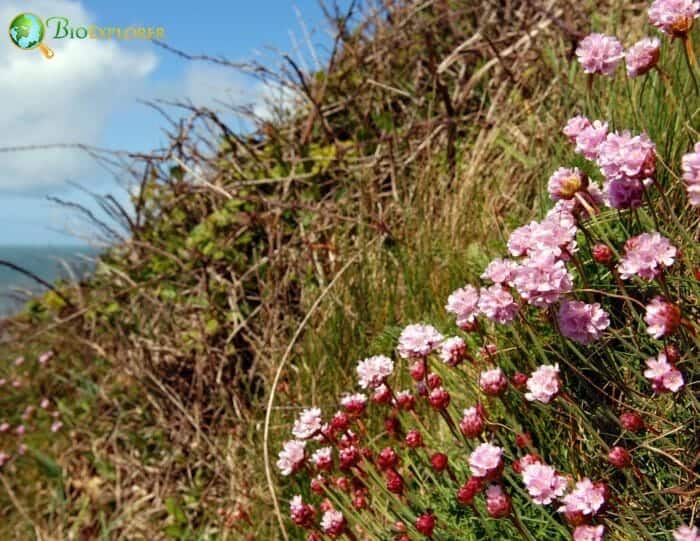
x,y
47,262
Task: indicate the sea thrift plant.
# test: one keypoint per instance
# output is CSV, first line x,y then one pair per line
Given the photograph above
x,y
642,56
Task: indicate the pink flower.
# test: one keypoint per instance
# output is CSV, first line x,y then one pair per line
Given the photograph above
x,y
45,357
308,424
543,483
44,404
497,304
500,271
642,56
472,423
464,304
624,193
691,175
453,350
333,522
302,514
590,138
418,340
662,317
439,398
581,322
19,361
589,533
554,236
4,457
586,498
498,503
20,430
543,384
541,281
56,426
291,457
373,371
686,533
486,460
4,427
663,375
646,255
622,155
354,404
675,17
323,458
575,126
493,382
601,54
565,182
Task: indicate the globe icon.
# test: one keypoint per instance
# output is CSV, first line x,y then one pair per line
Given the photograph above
x,y
27,32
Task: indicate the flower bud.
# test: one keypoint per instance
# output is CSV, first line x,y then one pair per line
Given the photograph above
x,y
425,524
414,439
619,457
438,461
417,370
602,254
632,421
439,398
468,491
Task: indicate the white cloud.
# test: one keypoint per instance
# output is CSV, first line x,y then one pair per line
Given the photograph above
x,y
67,99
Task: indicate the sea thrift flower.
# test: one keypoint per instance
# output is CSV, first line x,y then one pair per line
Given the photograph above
x,y
642,56
45,357
302,514
387,458
619,457
414,439
624,193
590,138
565,182
382,395
425,524
472,423
663,375
493,382
497,502
589,533
543,483
19,361
686,533
468,491
323,458
662,317
497,304
394,482
4,457
581,322
519,381
602,254
622,155
438,461
308,424
418,340
21,430
417,370
486,461
575,126
541,281
675,17
291,457
632,422
4,427
354,404
600,54
500,271
464,304
434,380
348,457
691,175
586,498
453,350
333,523
520,464
646,255
405,400
439,398
543,384
373,371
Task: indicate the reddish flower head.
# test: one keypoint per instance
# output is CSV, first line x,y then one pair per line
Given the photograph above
x,y
438,461
662,317
498,502
632,422
619,457
394,482
472,423
439,398
468,491
602,253
387,458
425,524
493,382
414,439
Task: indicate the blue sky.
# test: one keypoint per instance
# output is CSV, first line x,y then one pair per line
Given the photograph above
x,y
89,92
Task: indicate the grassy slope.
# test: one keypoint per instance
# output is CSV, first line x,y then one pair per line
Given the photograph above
x,y
145,456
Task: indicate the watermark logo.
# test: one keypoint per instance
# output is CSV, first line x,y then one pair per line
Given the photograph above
x,y
27,31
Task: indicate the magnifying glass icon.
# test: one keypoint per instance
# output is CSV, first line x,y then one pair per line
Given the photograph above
x,y
27,32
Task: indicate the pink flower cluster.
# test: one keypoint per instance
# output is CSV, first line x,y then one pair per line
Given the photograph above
x,y
308,424
642,56
589,533
586,498
486,461
543,384
664,376
600,54
686,533
418,340
464,304
675,17
581,322
646,256
543,483
691,175
373,371
662,317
